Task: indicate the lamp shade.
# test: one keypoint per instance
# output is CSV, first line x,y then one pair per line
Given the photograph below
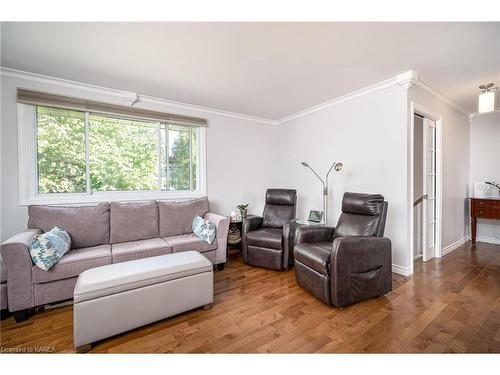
x,y
486,102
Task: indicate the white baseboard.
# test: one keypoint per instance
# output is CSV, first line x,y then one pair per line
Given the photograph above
x,y
448,249
488,239
404,271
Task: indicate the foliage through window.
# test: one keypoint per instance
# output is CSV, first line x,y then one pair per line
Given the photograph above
x,y
80,152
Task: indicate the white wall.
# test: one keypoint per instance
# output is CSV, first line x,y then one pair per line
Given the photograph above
x,y
455,173
238,168
367,134
485,164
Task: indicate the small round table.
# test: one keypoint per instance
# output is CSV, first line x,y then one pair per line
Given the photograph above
x,y
234,234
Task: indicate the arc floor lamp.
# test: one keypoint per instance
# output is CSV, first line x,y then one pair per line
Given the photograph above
x,y
337,166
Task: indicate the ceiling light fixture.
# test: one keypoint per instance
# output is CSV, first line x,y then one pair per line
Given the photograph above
x,y
486,101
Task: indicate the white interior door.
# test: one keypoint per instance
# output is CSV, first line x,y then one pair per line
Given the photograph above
x,y
429,189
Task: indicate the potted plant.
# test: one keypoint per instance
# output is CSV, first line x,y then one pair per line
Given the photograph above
x,y
243,210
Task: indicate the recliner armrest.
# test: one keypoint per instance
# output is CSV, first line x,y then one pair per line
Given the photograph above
x,y
251,223
360,268
310,234
361,249
288,242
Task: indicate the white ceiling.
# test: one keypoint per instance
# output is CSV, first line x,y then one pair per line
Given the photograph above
x,y
268,70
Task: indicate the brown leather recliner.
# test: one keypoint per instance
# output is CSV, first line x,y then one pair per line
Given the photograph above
x,y
267,241
351,262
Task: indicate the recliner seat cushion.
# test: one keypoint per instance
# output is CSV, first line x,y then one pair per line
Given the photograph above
x,y
271,238
314,255
189,242
87,225
126,251
73,263
177,217
133,221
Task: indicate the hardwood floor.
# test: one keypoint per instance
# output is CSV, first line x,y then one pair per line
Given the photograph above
x,y
449,305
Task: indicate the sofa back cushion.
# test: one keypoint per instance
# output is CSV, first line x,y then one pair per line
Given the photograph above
x,y
177,217
87,225
133,221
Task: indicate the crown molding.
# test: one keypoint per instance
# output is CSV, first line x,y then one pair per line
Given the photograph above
x,y
475,115
407,79
424,86
127,97
355,94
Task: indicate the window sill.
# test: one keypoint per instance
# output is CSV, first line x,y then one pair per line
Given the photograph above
x,y
121,196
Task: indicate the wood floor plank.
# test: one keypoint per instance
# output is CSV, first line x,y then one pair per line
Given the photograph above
x,y
449,305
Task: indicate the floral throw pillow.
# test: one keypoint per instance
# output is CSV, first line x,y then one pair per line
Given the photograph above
x,y
47,248
204,229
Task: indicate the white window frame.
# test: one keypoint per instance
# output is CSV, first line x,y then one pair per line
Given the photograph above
x,y
28,173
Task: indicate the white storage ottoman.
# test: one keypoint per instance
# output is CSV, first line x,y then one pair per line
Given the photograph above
x,y
112,299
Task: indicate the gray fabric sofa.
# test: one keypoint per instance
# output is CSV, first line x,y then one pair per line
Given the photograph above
x,y
3,285
103,234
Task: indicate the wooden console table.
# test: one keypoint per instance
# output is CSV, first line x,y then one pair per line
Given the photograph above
x,y
483,208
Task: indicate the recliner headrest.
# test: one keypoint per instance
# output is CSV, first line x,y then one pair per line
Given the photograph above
x,y
283,197
362,204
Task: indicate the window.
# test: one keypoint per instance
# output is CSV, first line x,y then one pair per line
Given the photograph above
x,y
88,156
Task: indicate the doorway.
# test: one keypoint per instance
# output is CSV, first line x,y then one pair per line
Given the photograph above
x,y
426,185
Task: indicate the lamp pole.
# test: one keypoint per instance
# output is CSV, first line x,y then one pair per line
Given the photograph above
x,y
337,166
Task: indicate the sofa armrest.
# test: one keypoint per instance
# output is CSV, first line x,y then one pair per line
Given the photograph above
x,y
17,259
250,223
313,233
360,268
222,224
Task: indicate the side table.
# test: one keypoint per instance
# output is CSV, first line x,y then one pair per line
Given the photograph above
x,y
234,234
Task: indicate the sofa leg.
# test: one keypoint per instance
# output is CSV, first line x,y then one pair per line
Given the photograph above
x,y
4,314
208,306
21,315
84,348
220,266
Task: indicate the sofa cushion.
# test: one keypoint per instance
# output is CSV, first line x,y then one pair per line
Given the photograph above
x,y
125,251
87,225
133,221
314,255
177,217
266,237
73,263
188,242
46,249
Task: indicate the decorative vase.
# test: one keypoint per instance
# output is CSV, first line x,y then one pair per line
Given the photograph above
x,y
243,213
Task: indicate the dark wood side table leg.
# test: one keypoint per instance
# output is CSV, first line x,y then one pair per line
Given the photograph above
x,y
473,222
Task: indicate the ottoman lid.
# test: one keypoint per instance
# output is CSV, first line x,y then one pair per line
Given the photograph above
x,y
120,277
